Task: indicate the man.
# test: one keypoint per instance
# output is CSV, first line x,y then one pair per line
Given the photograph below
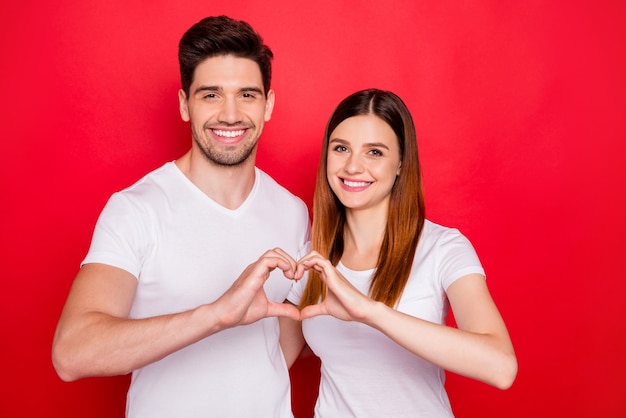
x,y
172,288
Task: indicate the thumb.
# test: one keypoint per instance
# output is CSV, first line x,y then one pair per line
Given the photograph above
x,y
283,309
311,311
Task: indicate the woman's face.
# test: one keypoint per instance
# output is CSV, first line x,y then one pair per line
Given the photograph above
x,y
363,161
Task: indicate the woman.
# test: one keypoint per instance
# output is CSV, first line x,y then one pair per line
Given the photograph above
x,y
382,277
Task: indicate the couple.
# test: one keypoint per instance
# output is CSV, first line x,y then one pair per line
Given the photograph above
x,y
173,289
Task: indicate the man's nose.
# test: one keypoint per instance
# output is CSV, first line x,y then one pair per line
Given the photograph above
x,y
229,111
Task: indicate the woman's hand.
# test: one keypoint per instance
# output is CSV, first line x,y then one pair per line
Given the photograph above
x,y
343,301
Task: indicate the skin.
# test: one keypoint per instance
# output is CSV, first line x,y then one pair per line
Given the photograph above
x,y
94,337
480,347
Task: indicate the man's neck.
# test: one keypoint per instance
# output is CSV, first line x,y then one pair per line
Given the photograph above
x,y
228,186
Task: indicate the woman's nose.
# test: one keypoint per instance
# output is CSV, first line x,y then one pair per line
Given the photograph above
x,y
353,164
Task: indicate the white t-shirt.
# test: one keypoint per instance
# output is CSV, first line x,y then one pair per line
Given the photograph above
x,y
365,373
186,250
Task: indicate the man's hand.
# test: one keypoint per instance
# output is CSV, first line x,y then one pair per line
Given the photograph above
x,y
245,301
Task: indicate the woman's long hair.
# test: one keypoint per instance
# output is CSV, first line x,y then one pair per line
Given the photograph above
x,y
406,208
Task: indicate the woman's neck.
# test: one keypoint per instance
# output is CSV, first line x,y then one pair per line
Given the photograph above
x,y
363,237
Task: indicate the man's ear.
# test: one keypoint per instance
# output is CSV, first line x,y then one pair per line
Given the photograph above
x,y
183,105
269,104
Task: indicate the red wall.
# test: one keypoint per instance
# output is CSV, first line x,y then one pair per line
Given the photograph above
x,y
520,112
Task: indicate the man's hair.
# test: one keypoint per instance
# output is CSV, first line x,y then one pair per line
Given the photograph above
x,y
219,36
406,207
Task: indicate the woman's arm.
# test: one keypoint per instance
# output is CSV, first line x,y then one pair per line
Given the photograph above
x,y
480,348
291,338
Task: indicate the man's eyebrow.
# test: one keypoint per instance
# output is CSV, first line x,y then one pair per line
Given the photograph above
x,y
251,89
202,89
217,89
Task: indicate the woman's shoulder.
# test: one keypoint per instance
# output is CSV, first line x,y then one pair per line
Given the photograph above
x,y
434,229
434,234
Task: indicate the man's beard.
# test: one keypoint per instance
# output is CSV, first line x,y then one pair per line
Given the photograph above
x,y
226,158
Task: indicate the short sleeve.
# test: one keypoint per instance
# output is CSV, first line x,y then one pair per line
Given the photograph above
x,y
119,238
457,258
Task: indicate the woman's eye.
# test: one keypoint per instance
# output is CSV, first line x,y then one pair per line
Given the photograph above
x,y
376,152
340,148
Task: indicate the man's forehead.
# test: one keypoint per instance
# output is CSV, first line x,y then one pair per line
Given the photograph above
x,y
229,63
228,71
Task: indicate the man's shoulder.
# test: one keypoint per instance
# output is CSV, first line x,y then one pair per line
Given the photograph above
x,y
270,188
153,185
154,179
270,184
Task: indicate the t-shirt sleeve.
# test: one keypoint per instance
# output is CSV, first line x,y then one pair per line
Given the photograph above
x,y
458,258
119,236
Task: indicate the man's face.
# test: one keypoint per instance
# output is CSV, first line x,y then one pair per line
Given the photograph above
x,y
227,108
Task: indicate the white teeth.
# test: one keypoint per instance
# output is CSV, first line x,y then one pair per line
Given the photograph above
x,y
228,134
356,183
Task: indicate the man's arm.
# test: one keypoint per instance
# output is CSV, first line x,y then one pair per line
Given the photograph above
x,y
95,337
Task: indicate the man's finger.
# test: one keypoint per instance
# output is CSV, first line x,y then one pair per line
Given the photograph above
x,y
283,309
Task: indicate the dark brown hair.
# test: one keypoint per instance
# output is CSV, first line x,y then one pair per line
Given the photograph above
x,y
221,35
406,208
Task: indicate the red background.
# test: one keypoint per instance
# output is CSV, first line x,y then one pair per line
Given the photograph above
x,y
520,114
